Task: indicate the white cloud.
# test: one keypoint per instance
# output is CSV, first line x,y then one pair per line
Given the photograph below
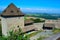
x,y
33,9
2,8
47,10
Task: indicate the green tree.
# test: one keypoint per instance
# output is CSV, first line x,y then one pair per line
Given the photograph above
x,y
37,20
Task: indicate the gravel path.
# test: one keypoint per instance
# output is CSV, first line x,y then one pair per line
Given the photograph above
x,y
54,37
41,34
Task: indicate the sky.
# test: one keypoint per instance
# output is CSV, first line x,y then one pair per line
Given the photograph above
x,y
47,6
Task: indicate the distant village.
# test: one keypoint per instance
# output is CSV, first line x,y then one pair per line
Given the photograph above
x,y
12,18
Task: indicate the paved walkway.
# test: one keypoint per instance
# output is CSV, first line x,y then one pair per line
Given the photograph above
x,y
54,37
39,34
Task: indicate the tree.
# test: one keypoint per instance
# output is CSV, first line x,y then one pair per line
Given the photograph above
x,y
36,20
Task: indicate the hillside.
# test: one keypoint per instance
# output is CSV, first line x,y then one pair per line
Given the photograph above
x,y
44,15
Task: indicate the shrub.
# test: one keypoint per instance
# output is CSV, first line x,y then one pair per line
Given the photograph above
x,y
38,20
56,30
17,35
0,30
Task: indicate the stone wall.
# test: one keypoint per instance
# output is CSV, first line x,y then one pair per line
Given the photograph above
x,y
29,27
39,26
9,24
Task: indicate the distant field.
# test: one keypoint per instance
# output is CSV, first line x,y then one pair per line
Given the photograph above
x,y
46,16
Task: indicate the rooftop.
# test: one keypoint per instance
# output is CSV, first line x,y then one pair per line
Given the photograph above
x,y
12,10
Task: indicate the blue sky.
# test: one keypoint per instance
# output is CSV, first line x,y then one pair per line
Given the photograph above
x,y
49,6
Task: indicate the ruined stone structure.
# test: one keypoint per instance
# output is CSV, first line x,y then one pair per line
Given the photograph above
x,y
11,18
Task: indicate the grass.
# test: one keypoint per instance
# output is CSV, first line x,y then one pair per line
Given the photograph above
x,y
0,30
41,37
56,30
34,33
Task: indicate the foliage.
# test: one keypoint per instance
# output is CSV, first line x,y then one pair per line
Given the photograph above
x,y
43,15
56,30
31,19
0,30
38,20
34,33
17,35
41,38
25,18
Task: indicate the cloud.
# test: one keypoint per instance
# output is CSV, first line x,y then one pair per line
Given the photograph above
x,y
33,9
42,10
2,8
46,10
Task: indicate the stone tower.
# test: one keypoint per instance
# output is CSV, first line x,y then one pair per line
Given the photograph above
x,y
11,18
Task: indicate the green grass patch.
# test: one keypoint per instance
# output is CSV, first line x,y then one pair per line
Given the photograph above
x,y
56,30
41,37
0,30
34,33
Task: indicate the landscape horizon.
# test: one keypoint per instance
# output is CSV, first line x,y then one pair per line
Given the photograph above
x,y
30,20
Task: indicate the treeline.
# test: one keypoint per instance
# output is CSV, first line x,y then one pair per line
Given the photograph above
x,y
46,16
